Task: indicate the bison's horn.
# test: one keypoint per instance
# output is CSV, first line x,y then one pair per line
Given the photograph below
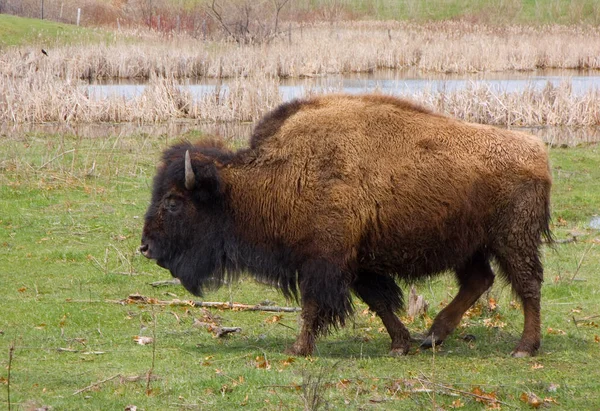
x,y
189,173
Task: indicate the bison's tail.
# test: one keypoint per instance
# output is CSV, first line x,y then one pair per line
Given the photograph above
x,y
547,235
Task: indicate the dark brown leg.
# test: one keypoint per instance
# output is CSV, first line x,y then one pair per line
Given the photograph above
x,y
326,301
475,277
520,229
525,275
305,342
384,297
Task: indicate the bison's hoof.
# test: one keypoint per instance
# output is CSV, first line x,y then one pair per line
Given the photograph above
x,y
399,352
428,342
521,354
298,351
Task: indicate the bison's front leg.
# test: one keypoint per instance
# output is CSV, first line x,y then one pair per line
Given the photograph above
x,y
305,342
325,301
383,296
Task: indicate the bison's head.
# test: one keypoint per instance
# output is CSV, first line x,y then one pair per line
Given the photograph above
x,y
183,229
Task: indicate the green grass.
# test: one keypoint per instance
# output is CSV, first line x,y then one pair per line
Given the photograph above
x,y
533,12
70,222
20,31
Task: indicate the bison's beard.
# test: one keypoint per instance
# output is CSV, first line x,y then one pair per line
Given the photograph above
x,y
196,270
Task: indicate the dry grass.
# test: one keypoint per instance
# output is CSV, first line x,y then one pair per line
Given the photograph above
x,y
37,88
551,106
39,97
447,47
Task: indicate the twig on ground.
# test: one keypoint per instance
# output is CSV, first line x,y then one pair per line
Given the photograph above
x,y
140,299
96,384
11,351
223,331
149,376
471,394
581,261
589,317
573,239
216,329
54,158
245,307
174,281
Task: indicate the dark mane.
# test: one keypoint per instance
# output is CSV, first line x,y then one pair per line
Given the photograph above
x,y
270,123
209,147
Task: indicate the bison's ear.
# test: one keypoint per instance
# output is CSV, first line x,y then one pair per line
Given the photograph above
x,y
202,177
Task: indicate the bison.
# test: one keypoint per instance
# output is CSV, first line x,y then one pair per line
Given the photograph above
x,y
339,195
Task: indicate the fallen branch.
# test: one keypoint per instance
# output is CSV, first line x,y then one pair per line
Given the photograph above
x,y
223,331
94,385
216,329
174,281
565,241
580,320
140,299
246,307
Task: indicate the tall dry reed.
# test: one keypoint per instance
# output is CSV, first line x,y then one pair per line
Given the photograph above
x,y
38,97
320,49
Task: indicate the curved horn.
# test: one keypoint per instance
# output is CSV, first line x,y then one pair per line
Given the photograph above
x,y
190,179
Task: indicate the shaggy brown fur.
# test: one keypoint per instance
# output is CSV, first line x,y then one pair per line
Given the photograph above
x,y
341,194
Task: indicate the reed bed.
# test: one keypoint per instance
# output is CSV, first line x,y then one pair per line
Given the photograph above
x,y
319,49
39,97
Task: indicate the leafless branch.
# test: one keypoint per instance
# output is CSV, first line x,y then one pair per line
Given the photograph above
x,y
94,385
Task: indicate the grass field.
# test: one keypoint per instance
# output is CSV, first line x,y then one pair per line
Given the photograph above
x,y
495,12
70,222
71,214
19,31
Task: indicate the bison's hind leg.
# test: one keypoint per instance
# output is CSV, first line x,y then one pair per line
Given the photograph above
x,y
524,271
474,278
384,297
520,230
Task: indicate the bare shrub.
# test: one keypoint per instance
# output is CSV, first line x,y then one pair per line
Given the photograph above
x,y
248,21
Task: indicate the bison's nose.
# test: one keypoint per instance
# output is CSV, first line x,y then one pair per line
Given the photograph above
x,y
145,250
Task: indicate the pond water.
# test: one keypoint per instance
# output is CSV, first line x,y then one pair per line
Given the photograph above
x,y
386,81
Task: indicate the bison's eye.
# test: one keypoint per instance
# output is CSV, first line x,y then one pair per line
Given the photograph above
x,y
172,204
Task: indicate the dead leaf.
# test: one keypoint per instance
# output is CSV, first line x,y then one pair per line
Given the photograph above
x,y
494,322
596,338
274,319
245,402
536,366
143,340
343,384
556,331
531,399
487,398
492,305
131,408
457,403
22,289
261,362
